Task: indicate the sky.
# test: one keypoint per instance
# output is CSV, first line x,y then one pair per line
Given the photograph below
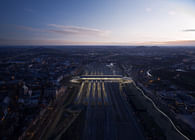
x,y
97,22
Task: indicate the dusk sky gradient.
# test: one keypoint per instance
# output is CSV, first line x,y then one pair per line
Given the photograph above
x,y
97,22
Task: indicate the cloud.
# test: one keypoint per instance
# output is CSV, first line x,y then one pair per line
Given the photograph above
x,y
28,28
77,30
67,30
189,30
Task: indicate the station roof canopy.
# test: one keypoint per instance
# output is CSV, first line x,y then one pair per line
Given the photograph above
x,y
101,77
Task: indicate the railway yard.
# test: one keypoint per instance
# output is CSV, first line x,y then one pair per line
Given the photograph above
x,y
101,105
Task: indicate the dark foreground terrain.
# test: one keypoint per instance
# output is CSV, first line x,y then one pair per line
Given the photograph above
x,y
92,93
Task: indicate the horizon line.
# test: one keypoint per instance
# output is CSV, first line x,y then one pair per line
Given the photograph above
x,y
7,42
